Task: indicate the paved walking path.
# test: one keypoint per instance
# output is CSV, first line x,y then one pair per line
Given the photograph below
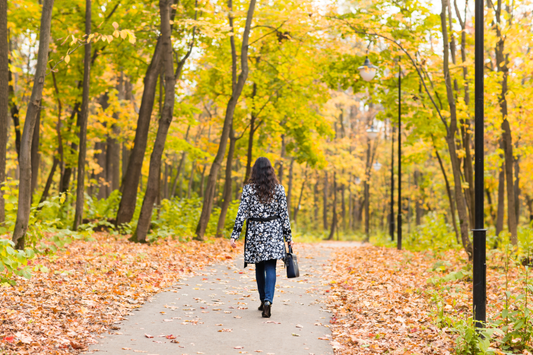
x,y
215,312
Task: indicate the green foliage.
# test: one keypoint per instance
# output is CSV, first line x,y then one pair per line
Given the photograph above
x,y
472,340
96,209
178,218
433,234
13,262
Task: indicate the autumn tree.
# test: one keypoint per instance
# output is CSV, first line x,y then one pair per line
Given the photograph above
x,y
24,200
237,88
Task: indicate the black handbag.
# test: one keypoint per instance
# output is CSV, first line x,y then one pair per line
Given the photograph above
x,y
291,264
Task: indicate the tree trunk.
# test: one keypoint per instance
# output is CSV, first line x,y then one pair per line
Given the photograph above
x,y
113,161
191,178
4,103
450,196
315,199
501,200
418,204
289,191
465,127
251,137
35,156
530,207
49,181
450,140
132,176
501,63
334,219
202,182
100,155
113,146
297,208
366,190
84,115
343,206
227,185
24,200
180,165
325,201
13,108
126,154
491,205
282,161
168,174
237,86
164,124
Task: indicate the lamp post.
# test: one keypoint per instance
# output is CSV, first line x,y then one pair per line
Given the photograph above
x,y
391,218
480,233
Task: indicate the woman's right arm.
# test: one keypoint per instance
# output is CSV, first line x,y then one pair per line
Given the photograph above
x,y
242,214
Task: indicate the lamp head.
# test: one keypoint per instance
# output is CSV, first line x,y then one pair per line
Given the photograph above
x,y
372,133
367,70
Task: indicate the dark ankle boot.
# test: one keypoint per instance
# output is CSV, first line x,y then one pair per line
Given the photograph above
x,y
266,309
260,308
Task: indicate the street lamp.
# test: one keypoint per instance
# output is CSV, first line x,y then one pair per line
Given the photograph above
x,y
399,239
480,233
367,70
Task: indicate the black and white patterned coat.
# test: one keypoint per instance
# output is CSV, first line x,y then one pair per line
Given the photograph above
x,y
265,239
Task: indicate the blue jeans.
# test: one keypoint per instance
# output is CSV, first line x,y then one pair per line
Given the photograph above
x,y
265,274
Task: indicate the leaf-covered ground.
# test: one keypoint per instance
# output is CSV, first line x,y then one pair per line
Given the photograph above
x,y
87,288
386,301
380,305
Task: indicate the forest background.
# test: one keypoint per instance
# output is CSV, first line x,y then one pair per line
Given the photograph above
x,y
93,140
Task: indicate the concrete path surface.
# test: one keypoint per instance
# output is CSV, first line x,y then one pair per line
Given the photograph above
x,y
215,312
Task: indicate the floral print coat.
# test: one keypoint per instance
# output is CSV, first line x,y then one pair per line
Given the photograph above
x,y
265,239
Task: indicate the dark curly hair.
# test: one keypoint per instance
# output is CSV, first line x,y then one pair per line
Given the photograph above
x,y
264,179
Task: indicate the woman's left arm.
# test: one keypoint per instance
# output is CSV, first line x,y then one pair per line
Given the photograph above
x,y
242,214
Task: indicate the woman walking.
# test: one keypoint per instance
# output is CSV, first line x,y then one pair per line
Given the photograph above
x,y
264,207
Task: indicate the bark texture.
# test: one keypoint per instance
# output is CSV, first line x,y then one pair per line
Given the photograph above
x,y
227,185
132,175
4,102
451,128
152,186
502,60
84,115
24,200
